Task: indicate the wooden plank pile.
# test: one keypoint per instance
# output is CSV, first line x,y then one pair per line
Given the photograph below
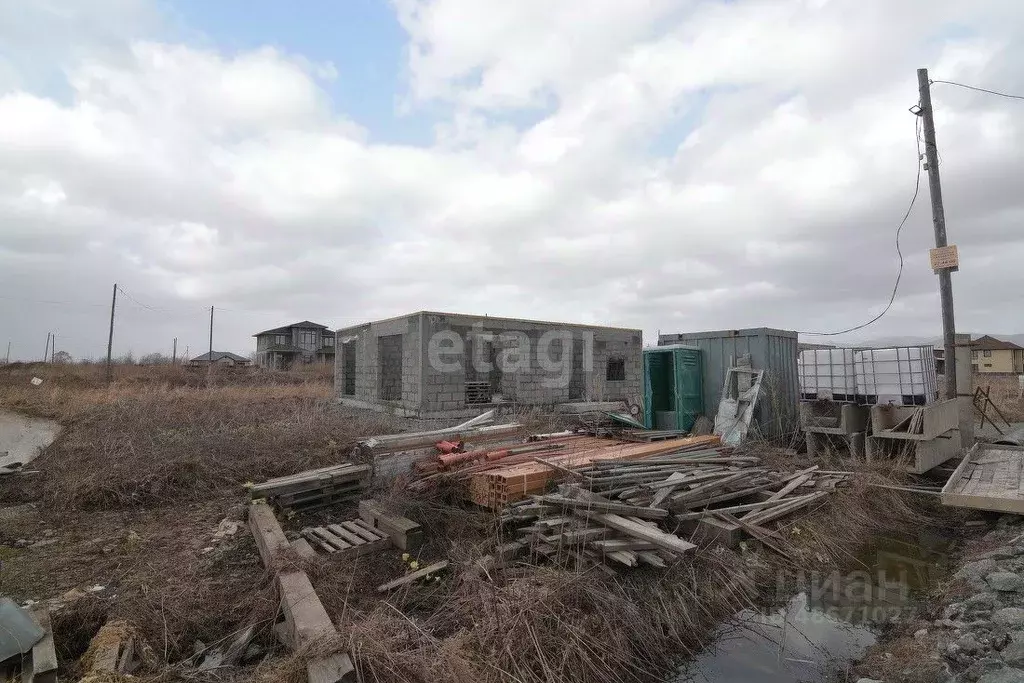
x,y
611,511
315,488
497,487
591,531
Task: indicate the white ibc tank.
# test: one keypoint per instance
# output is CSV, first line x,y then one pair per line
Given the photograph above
x,y
827,373
903,375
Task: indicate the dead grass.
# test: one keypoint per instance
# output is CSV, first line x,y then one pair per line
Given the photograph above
x,y
161,435
163,453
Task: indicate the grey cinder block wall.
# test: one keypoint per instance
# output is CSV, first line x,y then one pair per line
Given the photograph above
x,y
444,364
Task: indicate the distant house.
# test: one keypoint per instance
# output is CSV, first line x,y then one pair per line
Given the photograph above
x,y
304,342
226,358
989,354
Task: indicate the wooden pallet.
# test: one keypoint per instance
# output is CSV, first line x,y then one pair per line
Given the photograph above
x,y
990,477
310,480
355,537
315,488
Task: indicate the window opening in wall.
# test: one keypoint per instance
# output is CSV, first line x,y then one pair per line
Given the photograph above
x,y
616,370
328,341
986,353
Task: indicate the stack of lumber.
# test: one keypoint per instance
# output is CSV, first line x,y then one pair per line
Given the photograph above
x,y
610,510
590,530
498,486
708,482
315,488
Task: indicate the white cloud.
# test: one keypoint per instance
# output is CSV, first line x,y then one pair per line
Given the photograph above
x,y
697,165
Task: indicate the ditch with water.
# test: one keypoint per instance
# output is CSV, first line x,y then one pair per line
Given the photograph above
x,y
823,620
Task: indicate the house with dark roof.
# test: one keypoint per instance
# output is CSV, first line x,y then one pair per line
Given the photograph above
x,y
302,342
225,358
991,355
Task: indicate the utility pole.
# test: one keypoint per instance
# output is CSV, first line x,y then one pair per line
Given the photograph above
x,y
210,357
174,352
53,346
939,222
46,351
110,339
8,361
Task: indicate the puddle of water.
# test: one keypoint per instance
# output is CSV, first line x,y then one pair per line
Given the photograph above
x,y
831,619
22,438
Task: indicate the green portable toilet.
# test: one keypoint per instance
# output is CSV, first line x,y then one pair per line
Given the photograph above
x,y
673,387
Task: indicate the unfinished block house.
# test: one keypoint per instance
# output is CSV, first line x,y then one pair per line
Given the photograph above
x,y
448,365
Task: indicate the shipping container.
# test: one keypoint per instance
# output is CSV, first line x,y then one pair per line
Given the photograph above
x,y
771,350
673,387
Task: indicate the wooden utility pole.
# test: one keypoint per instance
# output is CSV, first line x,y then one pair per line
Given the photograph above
x,y
53,346
8,361
46,351
110,338
210,357
939,223
174,352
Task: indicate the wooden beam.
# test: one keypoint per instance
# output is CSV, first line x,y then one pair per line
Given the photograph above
x,y
785,508
662,540
600,506
404,533
270,539
409,578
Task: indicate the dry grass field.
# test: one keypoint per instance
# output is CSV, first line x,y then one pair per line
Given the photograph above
x,y
123,514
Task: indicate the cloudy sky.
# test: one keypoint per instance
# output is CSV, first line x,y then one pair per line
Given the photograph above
x,y
671,165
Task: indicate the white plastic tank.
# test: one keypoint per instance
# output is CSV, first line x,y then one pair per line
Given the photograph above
x,y
904,375
827,373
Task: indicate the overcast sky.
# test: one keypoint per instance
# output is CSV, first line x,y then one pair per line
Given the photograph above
x,y
662,164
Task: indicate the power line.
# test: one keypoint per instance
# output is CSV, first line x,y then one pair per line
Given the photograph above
x,y
48,301
155,310
899,229
972,87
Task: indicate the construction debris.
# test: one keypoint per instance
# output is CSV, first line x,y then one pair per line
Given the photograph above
x,y
610,511
736,407
116,648
404,533
303,618
20,631
27,652
315,488
513,477
426,572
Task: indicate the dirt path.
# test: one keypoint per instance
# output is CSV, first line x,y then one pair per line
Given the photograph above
x,y
22,438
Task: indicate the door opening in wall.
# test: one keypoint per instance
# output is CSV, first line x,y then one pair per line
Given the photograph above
x,y
578,378
389,363
348,369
